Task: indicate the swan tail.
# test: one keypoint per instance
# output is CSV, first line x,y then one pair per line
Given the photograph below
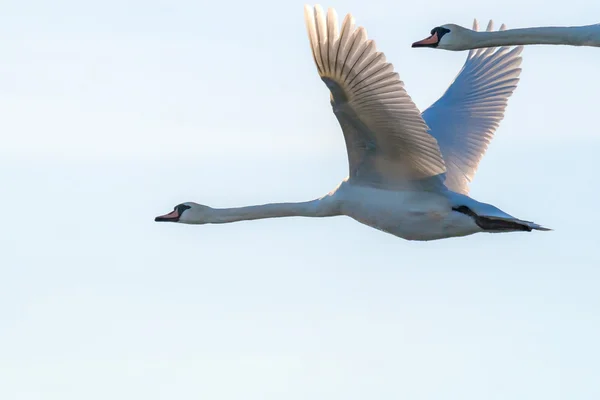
x,y
493,224
500,223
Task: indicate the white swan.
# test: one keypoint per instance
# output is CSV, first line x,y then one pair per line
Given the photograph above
x,y
455,37
398,181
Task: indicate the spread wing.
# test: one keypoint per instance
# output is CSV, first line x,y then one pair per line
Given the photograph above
x,y
465,118
386,138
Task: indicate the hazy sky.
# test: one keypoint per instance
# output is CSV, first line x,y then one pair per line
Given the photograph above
x,y
113,112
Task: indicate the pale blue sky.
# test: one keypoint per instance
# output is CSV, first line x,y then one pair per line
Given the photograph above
x,y
114,112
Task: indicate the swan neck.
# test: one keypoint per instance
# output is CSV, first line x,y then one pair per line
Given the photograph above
x,y
313,208
573,36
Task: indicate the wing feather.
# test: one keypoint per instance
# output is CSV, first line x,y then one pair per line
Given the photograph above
x,y
386,138
467,115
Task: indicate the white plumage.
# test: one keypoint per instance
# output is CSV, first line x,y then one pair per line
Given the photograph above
x,y
386,136
408,172
455,37
465,118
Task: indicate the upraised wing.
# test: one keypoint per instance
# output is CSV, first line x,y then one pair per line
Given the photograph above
x,y
386,138
467,115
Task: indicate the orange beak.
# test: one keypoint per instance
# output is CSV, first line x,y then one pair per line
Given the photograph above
x,y
173,216
431,41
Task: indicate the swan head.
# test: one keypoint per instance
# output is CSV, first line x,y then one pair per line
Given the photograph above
x,y
187,213
447,37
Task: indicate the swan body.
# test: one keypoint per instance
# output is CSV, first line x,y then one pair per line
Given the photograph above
x,y
408,171
409,214
455,37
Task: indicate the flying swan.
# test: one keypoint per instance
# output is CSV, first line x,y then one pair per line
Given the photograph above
x,y
408,172
455,37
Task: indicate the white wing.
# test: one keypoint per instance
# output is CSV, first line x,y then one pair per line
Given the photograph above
x,y
386,137
465,118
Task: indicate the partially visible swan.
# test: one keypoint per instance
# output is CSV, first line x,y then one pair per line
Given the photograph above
x,y
398,182
455,37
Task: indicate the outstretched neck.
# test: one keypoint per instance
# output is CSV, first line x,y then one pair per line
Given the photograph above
x,y
315,208
588,35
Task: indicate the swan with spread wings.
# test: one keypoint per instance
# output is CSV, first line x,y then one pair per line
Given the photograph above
x,y
408,172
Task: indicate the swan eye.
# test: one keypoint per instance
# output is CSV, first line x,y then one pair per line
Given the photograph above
x,y
441,31
181,208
